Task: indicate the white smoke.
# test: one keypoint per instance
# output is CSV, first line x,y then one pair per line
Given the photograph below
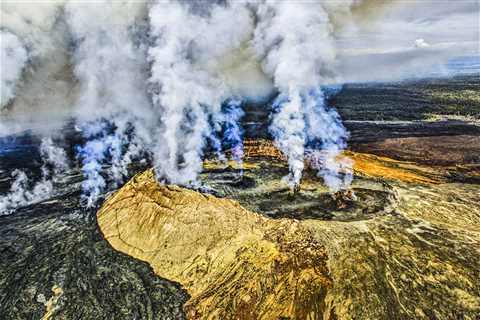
x,y
21,195
421,43
113,111
325,127
23,191
288,129
93,155
13,56
186,90
296,41
233,132
149,80
54,156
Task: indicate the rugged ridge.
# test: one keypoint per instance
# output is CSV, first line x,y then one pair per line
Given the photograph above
x,y
235,264
412,259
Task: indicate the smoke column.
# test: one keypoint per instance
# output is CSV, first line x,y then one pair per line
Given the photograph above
x,y
324,128
185,88
295,39
233,132
54,157
21,195
288,129
92,156
113,111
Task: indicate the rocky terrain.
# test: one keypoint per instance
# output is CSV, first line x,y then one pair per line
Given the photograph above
x,y
56,265
404,243
258,251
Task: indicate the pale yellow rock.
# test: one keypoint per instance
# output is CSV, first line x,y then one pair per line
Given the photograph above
x,y
51,304
233,262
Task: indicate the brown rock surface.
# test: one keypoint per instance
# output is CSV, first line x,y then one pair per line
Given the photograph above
x,y
439,150
261,148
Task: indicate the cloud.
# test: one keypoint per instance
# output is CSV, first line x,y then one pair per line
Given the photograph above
x,y
421,43
382,48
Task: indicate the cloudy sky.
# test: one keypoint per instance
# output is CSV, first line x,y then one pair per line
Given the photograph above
x,y
399,38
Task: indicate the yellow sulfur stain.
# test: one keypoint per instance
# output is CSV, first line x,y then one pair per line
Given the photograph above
x,y
366,165
373,166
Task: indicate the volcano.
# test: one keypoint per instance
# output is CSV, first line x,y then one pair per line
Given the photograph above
x,y
240,160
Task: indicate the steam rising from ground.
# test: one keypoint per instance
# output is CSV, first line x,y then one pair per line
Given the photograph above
x,y
23,191
296,41
233,132
148,81
113,112
21,194
186,90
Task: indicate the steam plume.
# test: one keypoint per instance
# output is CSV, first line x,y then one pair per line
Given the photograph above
x,y
21,195
54,157
325,129
233,132
185,88
296,40
114,116
22,192
13,56
288,129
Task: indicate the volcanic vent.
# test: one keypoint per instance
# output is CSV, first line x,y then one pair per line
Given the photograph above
x,y
258,186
